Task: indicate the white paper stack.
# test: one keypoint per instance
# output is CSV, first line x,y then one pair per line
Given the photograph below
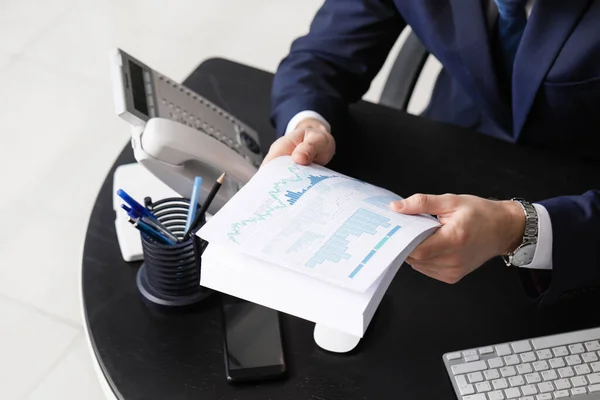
x,y
310,242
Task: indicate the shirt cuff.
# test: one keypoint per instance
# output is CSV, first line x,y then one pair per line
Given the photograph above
x,y
542,259
303,115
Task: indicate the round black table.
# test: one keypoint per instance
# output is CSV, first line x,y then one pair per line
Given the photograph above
x,y
148,354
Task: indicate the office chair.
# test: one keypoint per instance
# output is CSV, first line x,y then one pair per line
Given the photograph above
x,y
404,74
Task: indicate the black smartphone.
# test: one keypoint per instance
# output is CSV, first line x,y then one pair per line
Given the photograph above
x,y
252,340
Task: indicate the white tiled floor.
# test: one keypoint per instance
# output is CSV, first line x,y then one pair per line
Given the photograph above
x,y
59,136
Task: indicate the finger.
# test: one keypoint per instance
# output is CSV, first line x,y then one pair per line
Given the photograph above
x,y
438,263
313,144
425,204
435,245
447,275
284,146
426,270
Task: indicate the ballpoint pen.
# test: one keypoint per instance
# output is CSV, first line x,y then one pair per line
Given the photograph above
x,y
151,232
193,203
134,205
153,222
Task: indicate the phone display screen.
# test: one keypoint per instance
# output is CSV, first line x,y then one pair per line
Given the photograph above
x,y
140,102
253,340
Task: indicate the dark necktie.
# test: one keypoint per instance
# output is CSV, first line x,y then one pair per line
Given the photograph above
x,y
511,25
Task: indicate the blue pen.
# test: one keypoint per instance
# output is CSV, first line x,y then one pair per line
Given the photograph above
x,y
193,203
153,222
135,206
149,231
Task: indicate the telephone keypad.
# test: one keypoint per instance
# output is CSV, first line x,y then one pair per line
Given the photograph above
x,y
181,114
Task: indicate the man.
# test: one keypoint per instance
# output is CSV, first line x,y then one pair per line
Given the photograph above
x,y
521,71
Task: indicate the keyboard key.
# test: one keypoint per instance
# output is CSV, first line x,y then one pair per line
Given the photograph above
x,y
503,350
594,345
573,360
461,380
594,378
500,384
486,350
562,384
576,348
595,366
468,353
549,375
582,369
521,347
545,387
508,371
495,362
579,390
594,388
512,360
523,369
527,398
529,390
475,377
540,365
579,381
528,357
566,338
496,395
478,396
467,389
544,354
516,381
482,387
560,351
589,357
557,363
491,374
469,367
512,393
533,378
566,372
544,396
561,393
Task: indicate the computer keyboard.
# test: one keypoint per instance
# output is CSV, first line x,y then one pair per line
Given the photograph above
x,y
551,367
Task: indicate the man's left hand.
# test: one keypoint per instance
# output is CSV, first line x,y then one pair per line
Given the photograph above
x,y
473,231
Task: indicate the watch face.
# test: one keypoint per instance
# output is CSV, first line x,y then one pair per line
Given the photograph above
x,y
524,255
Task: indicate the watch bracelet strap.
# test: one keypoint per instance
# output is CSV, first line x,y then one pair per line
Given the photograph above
x,y
530,233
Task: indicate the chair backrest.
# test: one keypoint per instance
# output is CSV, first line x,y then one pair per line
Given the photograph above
x,y
404,74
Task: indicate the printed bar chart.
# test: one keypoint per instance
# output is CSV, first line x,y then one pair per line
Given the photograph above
x,y
335,248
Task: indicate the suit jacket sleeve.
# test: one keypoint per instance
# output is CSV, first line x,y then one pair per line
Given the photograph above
x,y
334,63
575,249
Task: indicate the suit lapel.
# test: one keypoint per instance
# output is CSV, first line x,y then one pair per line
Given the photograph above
x,y
550,24
473,44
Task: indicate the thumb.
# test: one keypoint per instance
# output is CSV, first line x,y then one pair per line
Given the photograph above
x,y
284,146
425,204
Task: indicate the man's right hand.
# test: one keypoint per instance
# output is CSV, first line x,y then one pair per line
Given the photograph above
x,y
309,142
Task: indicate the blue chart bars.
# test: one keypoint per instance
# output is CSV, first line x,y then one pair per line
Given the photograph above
x,y
361,222
292,197
372,252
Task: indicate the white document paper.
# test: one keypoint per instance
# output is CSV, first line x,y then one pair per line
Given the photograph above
x,y
316,222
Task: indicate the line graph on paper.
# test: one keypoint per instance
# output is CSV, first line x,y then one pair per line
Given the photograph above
x,y
283,193
315,221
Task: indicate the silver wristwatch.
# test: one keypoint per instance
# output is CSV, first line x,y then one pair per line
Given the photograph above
x,y
523,254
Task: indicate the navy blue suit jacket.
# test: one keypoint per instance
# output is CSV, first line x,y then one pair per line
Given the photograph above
x,y
555,90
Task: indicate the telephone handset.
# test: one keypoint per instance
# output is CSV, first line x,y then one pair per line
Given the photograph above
x,y
178,134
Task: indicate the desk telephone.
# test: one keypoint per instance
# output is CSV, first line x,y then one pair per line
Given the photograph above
x,y
178,134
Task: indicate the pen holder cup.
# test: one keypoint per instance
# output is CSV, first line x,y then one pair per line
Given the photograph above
x,y
170,274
